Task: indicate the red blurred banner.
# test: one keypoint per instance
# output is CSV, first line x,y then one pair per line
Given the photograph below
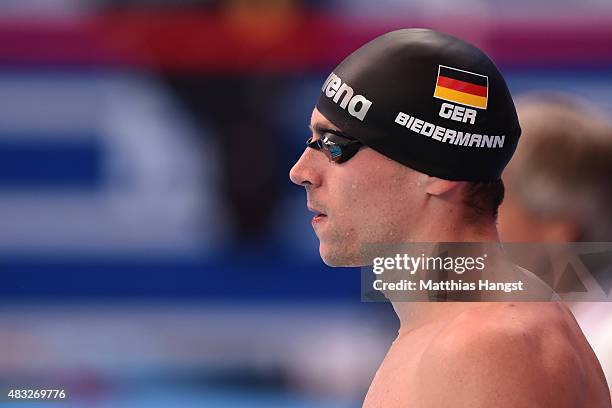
x,y
235,42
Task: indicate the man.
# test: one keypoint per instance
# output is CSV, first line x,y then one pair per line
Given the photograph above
x,y
409,138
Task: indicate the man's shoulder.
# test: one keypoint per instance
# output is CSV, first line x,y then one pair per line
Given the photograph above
x,y
501,330
509,319
517,354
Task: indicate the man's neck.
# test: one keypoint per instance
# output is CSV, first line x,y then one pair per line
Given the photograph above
x,y
413,315
457,232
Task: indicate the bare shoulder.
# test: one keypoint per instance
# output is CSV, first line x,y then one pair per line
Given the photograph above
x,y
508,355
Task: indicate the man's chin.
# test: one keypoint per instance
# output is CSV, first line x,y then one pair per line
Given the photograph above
x,y
335,257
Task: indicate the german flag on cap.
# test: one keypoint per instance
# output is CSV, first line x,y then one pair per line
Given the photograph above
x,y
466,88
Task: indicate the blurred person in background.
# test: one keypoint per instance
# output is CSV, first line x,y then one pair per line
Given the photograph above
x,y
558,181
558,190
383,166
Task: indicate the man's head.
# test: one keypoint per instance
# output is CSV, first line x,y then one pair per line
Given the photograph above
x,y
436,124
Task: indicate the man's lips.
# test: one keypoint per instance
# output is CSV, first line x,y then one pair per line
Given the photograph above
x,y
319,215
318,218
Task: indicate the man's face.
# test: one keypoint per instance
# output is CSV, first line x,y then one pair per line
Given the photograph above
x,y
367,199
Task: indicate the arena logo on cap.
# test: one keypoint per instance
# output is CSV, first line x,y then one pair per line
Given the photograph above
x,y
358,105
463,87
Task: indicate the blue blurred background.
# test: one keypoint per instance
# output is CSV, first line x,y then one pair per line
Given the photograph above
x,y
153,252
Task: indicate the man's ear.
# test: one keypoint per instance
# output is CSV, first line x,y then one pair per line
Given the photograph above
x,y
437,187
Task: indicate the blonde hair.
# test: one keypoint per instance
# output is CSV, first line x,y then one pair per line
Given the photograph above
x,y
563,163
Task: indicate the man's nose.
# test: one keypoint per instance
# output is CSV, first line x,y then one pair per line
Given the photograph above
x,y
306,171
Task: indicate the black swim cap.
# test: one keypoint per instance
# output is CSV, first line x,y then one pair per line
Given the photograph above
x,y
427,100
